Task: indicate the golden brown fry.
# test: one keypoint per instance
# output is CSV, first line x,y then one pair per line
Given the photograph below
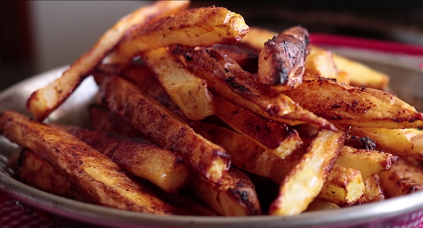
x,y
96,175
33,170
373,191
277,138
282,59
140,157
236,196
306,179
247,155
256,38
359,74
164,127
228,79
195,27
344,186
348,105
396,141
45,100
189,92
401,179
369,162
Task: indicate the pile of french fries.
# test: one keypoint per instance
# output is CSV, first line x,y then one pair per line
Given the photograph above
x,y
196,110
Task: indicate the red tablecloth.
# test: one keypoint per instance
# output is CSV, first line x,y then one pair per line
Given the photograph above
x,y
12,216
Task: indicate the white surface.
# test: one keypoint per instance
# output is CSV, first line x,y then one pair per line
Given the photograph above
x,y
64,30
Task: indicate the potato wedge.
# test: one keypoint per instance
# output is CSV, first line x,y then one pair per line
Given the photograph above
x,y
368,162
344,186
348,105
373,190
140,157
282,60
401,179
247,155
45,100
95,174
190,93
34,171
236,196
305,181
359,74
277,138
194,27
396,141
164,128
228,79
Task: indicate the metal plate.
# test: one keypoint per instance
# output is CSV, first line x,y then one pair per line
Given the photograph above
x,y
406,81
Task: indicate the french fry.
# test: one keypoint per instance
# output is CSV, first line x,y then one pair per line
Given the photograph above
x,y
278,138
84,167
304,182
373,190
282,59
359,74
34,171
319,204
45,100
348,105
189,92
245,57
368,162
140,157
236,196
344,186
401,179
194,27
164,128
228,79
396,141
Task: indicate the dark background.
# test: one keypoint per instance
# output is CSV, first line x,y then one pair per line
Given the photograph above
x,y
399,21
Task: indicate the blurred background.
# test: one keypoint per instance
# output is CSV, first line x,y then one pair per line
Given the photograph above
x,y
40,35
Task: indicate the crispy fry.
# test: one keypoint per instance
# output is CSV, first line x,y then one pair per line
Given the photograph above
x,y
45,100
348,105
344,186
396,141
164,127
245,57
401,179
236,196
92,172
306,179
189,92
373,191
140,157
227,78
278,138
195,27
369,162
282,59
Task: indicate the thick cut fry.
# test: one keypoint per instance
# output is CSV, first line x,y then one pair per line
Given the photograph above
x,y
195,27
164,128
45,100
344,186
189,92
96,175
278,138
304,182
369,162
348,105
33,170
246,154
401,179
373,191
282,60
396,141
236,196
256,38
140,157
359,74
228,79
